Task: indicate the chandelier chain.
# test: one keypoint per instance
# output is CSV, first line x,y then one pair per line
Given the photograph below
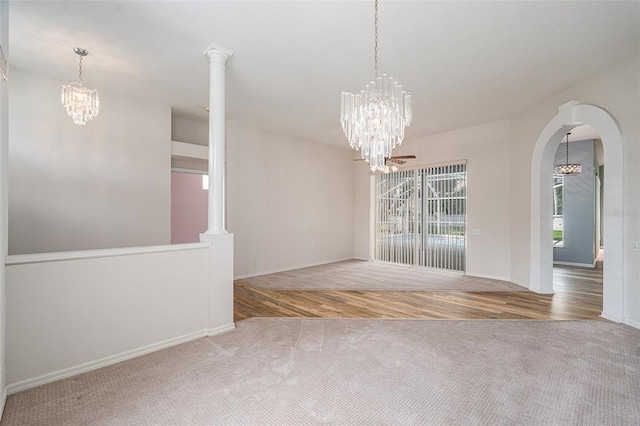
x,y
80,69
568,148
375,56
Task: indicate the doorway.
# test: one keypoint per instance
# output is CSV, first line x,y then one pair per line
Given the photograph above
x,y
570,116
189,205
576,197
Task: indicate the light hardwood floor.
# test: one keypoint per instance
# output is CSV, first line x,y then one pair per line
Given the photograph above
x,y
578,296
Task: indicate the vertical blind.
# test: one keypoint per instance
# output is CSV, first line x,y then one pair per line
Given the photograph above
x,y
420,217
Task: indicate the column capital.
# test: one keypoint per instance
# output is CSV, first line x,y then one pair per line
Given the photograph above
x,y
215,51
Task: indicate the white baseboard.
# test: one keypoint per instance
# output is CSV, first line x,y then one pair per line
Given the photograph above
x,y
490,277
221,329
520,283
499,278
581,265
114,359
610,317
632,323
291,268
362,258
539,291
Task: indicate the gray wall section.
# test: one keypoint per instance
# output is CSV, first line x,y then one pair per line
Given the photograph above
x,y
601,224
579,205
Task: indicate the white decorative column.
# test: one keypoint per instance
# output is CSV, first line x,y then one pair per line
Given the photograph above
x,y
218,57
220,256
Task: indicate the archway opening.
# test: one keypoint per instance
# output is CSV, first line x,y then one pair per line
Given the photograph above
x,y
570,116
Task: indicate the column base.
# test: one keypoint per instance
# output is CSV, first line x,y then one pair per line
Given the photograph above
x,y
211,232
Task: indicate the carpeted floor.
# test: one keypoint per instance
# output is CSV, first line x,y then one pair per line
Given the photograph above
x,y
316,371
363,275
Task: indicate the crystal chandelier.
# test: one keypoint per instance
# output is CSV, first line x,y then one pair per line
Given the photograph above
x,y
82,104
374,119
386,169
567,169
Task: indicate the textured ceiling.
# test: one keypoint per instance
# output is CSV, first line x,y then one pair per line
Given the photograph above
x,y
465,62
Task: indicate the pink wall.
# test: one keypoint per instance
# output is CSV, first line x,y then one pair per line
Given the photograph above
x,y
188,208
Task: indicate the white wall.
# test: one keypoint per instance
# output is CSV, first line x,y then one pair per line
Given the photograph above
x,y
289,201
68,316
189,130
487,151
4,197
105,184
361,210
617,90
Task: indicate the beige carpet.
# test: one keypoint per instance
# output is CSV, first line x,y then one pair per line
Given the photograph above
x,y
291,371
363,275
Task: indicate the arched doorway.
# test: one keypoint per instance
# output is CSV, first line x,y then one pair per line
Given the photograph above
x,y
571,115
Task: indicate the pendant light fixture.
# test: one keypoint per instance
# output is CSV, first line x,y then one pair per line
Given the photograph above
x,y
568,169
82,104
374,119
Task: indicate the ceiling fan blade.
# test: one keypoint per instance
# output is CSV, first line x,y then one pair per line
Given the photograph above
x,y
404,157
393,160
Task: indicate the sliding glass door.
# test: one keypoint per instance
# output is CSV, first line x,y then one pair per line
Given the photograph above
x,y
420,217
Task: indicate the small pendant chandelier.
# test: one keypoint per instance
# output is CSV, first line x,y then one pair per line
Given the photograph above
x,y
374,119
82,104
567,169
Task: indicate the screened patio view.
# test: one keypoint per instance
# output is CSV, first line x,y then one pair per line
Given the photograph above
x,y
420,217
